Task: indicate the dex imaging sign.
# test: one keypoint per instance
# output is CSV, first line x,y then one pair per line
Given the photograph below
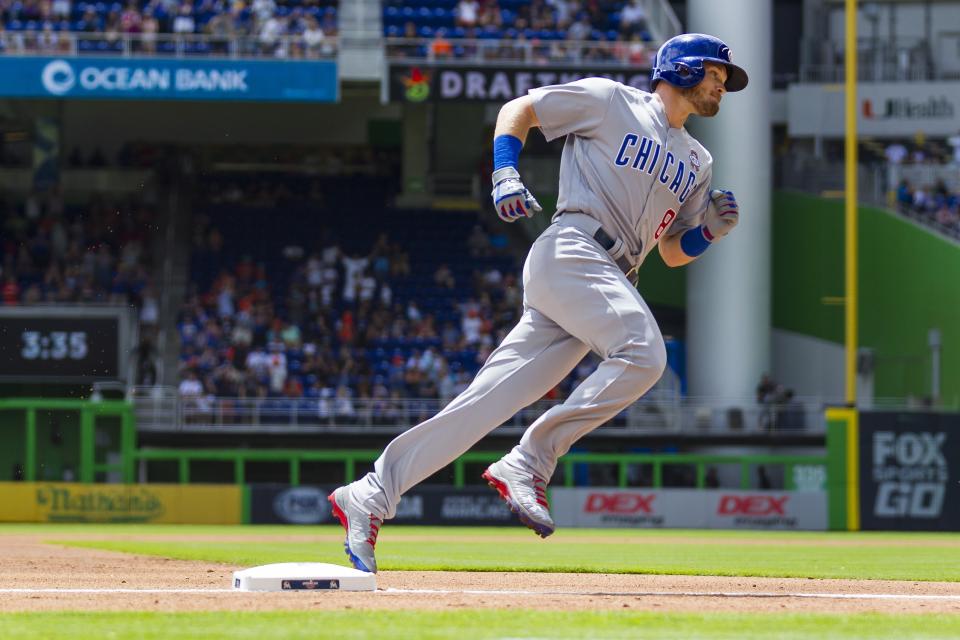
x,y
169,79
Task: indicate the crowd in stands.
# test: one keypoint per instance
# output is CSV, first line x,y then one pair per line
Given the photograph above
x,y
308,28
297,29
100,252
537,30
933,204
357,334
53,253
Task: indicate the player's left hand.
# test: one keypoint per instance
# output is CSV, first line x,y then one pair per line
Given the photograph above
x,y
722,214
511,199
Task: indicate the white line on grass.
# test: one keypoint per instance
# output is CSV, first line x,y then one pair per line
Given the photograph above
x,y
683,594
508,592
111,590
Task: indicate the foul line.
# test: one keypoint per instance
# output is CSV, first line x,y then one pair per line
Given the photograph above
x,y
682,594
109,590
509,592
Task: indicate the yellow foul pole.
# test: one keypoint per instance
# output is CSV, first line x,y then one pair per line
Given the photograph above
x,y
850,226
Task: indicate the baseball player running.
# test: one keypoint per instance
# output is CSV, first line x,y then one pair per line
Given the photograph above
x,y
631,179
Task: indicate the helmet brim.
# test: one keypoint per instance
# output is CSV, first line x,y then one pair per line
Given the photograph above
x,y
736,76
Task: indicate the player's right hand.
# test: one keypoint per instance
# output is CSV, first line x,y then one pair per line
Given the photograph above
x,y
722,215
511,199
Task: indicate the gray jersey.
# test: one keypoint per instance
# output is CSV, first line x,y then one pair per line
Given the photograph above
x,y
622,163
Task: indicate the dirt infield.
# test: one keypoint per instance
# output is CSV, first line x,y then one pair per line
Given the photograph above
x,y
31,564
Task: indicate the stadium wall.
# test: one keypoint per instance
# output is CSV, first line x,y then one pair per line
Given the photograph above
x,y
108,124
908,285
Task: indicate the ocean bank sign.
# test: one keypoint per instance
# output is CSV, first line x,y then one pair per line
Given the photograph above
x,y
169,79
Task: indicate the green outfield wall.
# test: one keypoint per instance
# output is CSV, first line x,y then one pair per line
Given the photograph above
x,y
909,284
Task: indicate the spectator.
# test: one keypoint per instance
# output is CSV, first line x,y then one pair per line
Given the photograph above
x,y
765,389
184,23
443,277
633,19
562,12
467,13
954,142
712,479
190,387
895,153
491,17
904,195
478,242
580,29
440,46
149,26
273,28
314,40
130,20
60,9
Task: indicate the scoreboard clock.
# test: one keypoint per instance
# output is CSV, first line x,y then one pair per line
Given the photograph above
x,y
65,344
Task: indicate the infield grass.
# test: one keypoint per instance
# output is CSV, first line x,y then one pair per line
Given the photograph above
x,y
893,556
474,624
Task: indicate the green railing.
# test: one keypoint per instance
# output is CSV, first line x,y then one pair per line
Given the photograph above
x,y
350,458
89,411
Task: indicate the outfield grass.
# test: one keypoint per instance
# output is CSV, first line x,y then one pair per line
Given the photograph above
x,y
894,556
482,625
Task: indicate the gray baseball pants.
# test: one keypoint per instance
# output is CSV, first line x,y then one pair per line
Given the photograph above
x,y
575,300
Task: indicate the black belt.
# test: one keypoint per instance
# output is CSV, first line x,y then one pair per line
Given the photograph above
x,y
607,243
591,226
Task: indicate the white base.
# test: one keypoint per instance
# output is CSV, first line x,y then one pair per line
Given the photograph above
x,y
303,576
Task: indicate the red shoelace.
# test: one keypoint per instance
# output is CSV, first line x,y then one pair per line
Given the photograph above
x,y
375,523
540,488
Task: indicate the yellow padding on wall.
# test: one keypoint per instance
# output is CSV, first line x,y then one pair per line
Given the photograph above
x,y
155,503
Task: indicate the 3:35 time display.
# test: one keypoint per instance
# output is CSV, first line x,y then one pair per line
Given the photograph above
x,y
54,345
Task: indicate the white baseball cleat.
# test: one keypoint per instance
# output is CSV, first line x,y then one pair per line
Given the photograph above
x,y
362,528
525,493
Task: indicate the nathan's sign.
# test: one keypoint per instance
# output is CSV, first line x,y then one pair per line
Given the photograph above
x,y
420,83
153,503
93,503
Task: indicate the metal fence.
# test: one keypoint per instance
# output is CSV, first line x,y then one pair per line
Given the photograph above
x,y
162,409
70,43
521,51
896,59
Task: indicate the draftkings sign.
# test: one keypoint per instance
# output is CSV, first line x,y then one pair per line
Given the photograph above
x,y
909,471
421,83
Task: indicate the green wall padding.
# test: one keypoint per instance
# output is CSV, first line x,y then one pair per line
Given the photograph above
x,y
662,285
13,443
909,283
807,265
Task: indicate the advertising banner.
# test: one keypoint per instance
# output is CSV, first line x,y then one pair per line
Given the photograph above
x,y
470,506
420,83
689,508
169,79
909,471
145,503
885,109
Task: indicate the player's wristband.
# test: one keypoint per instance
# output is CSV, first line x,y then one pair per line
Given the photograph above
x,y
695,241
506,151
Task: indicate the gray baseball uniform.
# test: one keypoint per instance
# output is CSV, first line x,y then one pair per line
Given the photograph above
x,y
625,176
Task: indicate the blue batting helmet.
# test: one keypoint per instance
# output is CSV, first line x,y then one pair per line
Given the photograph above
x,y
680,62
